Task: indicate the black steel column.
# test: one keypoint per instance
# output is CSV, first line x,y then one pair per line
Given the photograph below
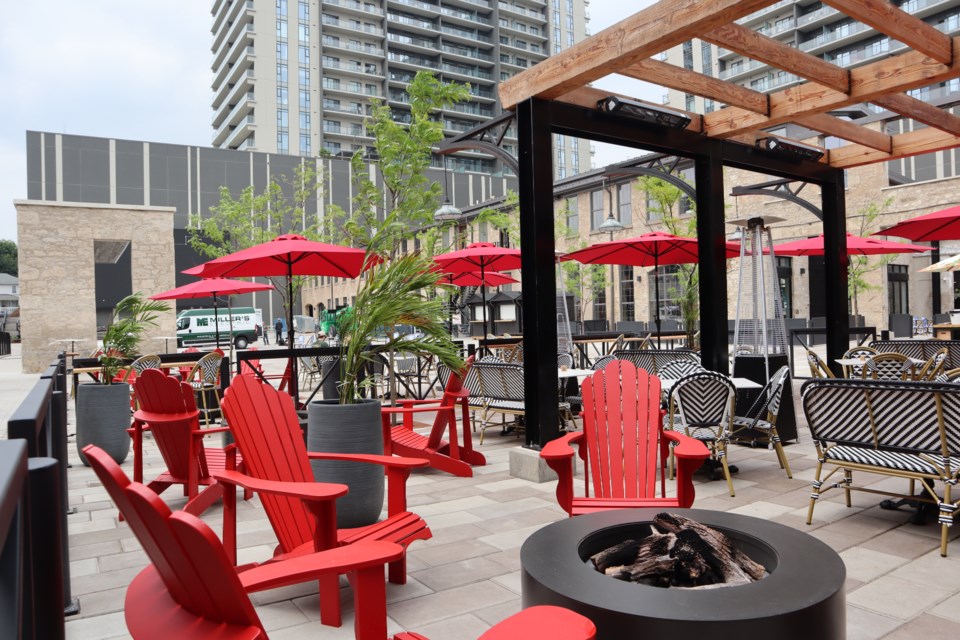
x,y
835,268
713,268
935,282
540,385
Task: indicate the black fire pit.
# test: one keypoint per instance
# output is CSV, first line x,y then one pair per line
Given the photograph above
x,y
801,598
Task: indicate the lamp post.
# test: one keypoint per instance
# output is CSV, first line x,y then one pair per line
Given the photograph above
x,y
610,225
447,212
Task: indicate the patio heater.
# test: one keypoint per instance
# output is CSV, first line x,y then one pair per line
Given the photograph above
x,y
564,334
759,334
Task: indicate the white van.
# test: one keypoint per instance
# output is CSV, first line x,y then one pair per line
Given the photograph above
x,y
196,326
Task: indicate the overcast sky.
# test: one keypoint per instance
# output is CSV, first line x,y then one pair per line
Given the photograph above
x,y
133,70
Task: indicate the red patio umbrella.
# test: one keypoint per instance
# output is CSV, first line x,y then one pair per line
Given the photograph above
x,y
939,225
856,245
647,250
482,257
287,255
212,287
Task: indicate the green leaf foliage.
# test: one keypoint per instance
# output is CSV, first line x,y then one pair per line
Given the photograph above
x,y
8,257
131,318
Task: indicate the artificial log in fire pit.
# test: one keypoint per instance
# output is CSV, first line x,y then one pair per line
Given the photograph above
x,y
678,552
801,597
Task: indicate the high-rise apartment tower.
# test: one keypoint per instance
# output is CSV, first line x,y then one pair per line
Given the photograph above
x,y
297,76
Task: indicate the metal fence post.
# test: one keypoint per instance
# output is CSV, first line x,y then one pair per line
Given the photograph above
x,y
45,550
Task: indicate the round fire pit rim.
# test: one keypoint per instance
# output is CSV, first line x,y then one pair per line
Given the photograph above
x,y
822,576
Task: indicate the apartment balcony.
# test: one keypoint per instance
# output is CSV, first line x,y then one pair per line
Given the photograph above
x,y
353,6
845,35
347,27
820,18
738,72
522,11
366,70
244,109
465,16
926,8
231,33
415,62
345,109
466,35
233,56
486,4
238,133
472,109
420,8
471,72
241,72
233,15
466,53
365,49
240,92
763,13
413,25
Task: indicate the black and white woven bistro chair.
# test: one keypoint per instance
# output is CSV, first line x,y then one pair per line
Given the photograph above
x,y
888,366
759,425
702,407
856,371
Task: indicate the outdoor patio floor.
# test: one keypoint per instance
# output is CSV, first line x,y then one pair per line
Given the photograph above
x,y
467,577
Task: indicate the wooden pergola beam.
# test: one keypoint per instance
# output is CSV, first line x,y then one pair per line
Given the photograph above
x,y
847,130
920,111
761,48
904,145
674,77
893,21
868,83
640,36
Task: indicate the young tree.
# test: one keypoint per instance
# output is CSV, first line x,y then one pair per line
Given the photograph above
x,y
587,280
8,257
253,218
401,203
860,266
666,198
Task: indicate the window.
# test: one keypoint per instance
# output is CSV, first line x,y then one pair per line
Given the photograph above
x,y
600,305
282,73
669,276
596,209
304,120
282,96
626,294
303,55
573,217
624,204
305,144
283,118
706,58
688,54
282,29
281,51
281,7
898,288
303,75
283,142
304,98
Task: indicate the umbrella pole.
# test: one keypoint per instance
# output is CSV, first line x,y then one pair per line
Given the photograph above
x,y
483,296
216,320
230,325
294,374
656,289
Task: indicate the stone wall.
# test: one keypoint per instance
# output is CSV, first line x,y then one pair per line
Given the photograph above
x,y
56,245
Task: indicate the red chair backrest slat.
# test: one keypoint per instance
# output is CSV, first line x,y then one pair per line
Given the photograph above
x,y
159,393
267,430
449,399
622,426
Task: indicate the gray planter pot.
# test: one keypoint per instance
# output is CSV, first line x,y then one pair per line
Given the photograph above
x,y
349,428
103,416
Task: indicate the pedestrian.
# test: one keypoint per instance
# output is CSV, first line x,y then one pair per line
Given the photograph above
x,y
278,325
265,334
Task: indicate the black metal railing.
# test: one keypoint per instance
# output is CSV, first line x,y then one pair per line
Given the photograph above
x,y
4,343
38,594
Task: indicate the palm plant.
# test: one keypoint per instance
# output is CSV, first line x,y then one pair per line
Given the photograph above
x,y
131,318
392,293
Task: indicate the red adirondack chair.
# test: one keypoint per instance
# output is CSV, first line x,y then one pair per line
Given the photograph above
x,y
445,455
168,409
621,443
192,590
302,511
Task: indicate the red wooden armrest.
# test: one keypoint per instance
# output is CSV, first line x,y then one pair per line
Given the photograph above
x,y
690,454
560,448
310,491
209,430
339,560
387,461
153,416
422,409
